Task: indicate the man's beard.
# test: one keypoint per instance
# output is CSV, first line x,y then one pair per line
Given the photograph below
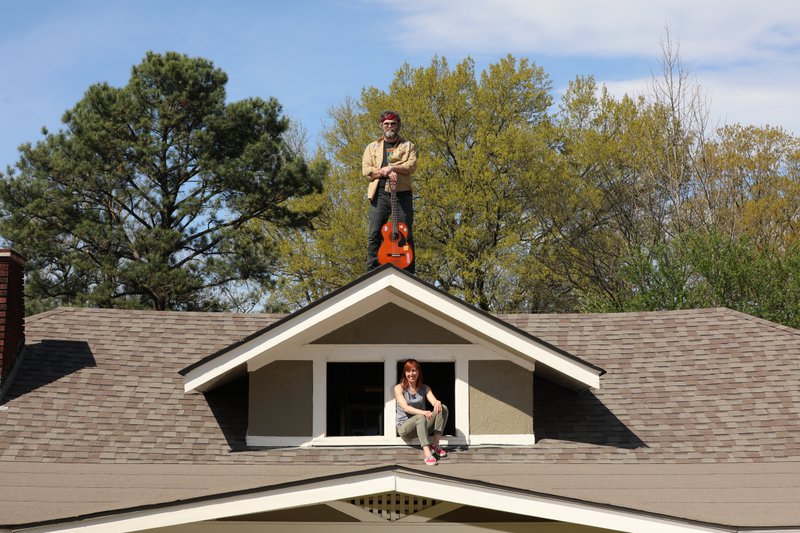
x,y
389,134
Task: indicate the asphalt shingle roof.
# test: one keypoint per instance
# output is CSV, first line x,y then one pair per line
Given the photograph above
x,y
100,389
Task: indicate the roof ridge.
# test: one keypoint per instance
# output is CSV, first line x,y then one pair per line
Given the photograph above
x,y
601,314
763,321
63,309
46,314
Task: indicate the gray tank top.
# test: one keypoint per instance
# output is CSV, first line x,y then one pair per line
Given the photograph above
x,y
414,400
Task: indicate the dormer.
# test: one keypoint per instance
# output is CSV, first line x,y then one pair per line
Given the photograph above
x,y
324,375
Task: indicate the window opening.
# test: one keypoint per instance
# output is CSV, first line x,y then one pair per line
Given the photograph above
x,y
355,399
442,379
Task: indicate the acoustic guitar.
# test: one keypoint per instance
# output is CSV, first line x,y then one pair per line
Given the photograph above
x,y
395,248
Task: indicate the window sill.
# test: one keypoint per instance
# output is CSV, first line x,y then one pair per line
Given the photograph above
x,y
378,440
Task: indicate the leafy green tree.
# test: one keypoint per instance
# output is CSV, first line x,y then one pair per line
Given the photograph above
x,y
332,251
710,269
608,203
149,195
482,146
752,185
594,215
661,214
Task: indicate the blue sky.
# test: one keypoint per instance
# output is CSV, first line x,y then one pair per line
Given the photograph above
x,y
312,55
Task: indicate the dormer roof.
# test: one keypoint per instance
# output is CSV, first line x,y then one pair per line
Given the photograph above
x,y
384,286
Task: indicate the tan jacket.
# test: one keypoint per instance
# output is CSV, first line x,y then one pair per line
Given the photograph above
x,y
403,158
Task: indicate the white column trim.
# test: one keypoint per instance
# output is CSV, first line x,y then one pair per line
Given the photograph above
x,y
319,398
462,399
389,404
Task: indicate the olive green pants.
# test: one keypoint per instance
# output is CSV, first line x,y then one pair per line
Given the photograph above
x,y
423,427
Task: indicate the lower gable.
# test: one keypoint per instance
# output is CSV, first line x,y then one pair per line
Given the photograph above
x,y
399,512
398,498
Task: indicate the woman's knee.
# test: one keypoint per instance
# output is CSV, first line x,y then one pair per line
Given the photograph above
x,y
445,412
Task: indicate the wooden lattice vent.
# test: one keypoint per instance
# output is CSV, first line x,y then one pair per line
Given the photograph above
x,y
393,505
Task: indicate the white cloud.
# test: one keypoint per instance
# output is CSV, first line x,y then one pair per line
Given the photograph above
x,y
713,30
745,54
757,95
751,97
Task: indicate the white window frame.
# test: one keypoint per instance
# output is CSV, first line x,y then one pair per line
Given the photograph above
x,y
390,356
389,361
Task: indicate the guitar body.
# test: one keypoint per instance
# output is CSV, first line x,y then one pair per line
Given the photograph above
x,y
395,248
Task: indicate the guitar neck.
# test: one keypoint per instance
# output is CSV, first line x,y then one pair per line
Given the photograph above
x,y
394,205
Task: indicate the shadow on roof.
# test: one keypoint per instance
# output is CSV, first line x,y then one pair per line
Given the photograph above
x,y
558,414
561,414
229,405
48,361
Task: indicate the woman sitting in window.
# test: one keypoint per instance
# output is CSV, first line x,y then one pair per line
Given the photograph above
x,y
413,418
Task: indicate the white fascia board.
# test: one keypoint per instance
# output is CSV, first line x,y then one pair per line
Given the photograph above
x,y
399,352
360,299
506,337
284,332
371,353
236,505
549,507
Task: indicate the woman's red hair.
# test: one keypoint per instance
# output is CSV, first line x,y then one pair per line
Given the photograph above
x,y
411,363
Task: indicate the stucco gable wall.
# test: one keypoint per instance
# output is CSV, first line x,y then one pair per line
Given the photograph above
x,y
391,324
281,399
500,398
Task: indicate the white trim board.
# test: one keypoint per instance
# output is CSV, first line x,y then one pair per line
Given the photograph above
x,y
261,441
373,291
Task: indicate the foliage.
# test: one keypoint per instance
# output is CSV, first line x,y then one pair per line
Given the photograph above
x,y
711,270
160,194
147,198
606,203
481,149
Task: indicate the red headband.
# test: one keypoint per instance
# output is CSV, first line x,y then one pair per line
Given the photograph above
x,y
390,116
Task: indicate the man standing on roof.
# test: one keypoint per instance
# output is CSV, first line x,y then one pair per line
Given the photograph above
x,y
390,159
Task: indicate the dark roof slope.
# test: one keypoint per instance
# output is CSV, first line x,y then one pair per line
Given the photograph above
x,y
682,386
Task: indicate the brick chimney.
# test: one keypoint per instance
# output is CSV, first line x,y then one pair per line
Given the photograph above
x,y
12,310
